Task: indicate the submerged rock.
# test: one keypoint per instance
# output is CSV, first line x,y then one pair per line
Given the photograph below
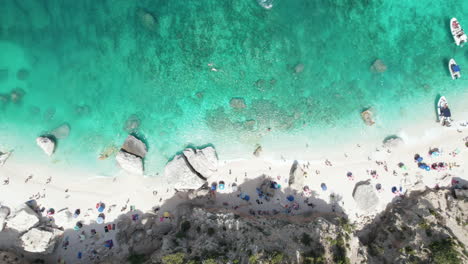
x,y
40,241
181,174
365,196
46,144
146,19
82,110
299,68
23,219
367,116
16,95
61,132
4,157
132,124
49,113
22,74
203,161
134,146
378,66
130,162
237,103
267,4
392,141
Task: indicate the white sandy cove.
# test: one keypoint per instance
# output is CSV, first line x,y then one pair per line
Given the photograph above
x,y
73,189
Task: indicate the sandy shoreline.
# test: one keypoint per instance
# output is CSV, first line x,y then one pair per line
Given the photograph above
x,y
75,189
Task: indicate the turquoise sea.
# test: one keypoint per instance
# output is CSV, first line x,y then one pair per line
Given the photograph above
x,y
302,68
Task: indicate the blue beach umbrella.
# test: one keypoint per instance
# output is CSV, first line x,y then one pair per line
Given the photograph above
x,y
100,220
290,198
324,186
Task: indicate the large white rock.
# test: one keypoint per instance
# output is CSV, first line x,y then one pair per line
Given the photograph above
x,y
204,161
39,241
4,212
130,162
365,196
4,157
63,218
180,174
22,219
46,144
134,146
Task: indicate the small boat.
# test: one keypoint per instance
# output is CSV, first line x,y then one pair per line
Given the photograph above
x,y
457,31
444,112
454,69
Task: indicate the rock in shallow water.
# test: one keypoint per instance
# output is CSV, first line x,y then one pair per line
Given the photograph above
x,y
299,68
16,95
46,144
132,124
134,146
267,4
22,74
61,132
146,19
378,66
367,116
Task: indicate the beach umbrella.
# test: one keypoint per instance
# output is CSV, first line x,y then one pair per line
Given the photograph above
x,y
221,185
213,186
100,207
324,186
100,220
166,214
290,198
77,213
51,211
109,243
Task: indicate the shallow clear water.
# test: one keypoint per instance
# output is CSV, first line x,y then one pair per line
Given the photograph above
x,y
302,67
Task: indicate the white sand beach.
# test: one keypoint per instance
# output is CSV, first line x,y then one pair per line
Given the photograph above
x,y
72,189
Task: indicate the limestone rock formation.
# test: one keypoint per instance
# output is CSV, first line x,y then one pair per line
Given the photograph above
x,y
237,103
130,162
22,219
61,132
378,66
63,218
39,240
204,161
134,146
46,144
4,157
179,172
4,213
365,196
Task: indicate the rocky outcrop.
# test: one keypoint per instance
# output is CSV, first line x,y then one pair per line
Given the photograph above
x,y
22,219
146,19
63,218
299,68
191,169
426,227
365,196
378,66
61,132
204,161
130,162
134,146
46,144
132,124
267,4
180,173
4,213
40,240
4,157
